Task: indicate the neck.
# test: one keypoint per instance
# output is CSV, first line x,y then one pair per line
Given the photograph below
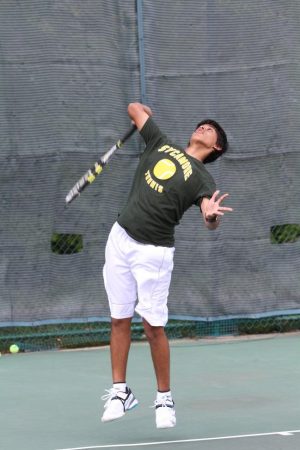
x,y
198,152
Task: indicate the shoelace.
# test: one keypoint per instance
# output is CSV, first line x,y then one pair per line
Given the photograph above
x,y
110,393
163,402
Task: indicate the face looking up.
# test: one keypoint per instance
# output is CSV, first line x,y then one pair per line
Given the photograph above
x,y
206,135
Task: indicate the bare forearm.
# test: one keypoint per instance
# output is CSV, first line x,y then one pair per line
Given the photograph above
x,y
139,114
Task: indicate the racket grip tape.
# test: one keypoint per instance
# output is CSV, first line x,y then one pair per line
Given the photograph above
x,y
126,136
84,181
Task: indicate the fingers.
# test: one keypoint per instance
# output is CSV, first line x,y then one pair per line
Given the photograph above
x,y
215,203
220,212
223,197
225,208
214,196
216,193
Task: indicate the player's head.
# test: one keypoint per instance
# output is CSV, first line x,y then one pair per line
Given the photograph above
x,y
211,134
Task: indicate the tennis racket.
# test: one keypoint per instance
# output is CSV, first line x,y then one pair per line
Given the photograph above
x,y
92,173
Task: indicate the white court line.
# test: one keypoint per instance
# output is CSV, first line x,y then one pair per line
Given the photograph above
x,y
145,444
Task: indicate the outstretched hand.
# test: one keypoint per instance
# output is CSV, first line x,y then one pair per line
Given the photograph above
x,y
213,207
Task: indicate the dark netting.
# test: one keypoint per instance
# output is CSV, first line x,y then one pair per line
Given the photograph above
x,y
67,72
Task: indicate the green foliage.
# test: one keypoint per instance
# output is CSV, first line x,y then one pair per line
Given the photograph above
x,y
66,244
91,334
282,234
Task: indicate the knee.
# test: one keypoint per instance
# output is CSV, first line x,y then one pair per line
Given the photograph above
x,y
153,333
120,324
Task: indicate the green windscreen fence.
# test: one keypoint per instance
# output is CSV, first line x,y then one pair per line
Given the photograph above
x,y
68,70
87,334
95,333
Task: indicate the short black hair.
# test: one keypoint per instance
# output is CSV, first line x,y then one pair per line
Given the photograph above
x,y
221,141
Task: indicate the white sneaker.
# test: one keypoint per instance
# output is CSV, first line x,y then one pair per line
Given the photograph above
x,y
117,403
165,412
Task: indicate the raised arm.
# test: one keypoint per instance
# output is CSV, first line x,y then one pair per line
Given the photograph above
x,y
139,114
212,211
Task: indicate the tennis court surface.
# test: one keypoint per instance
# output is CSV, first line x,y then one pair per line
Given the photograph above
x,y
229,394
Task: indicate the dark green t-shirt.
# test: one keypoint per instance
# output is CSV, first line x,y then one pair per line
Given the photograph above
x,y
166,183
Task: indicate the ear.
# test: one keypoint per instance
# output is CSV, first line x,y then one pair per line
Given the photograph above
x,y
217,148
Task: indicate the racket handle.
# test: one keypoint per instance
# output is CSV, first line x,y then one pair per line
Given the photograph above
x,y
76,190
91,174
127,135
84,181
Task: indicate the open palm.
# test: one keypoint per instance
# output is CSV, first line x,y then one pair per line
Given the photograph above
x,y
214,208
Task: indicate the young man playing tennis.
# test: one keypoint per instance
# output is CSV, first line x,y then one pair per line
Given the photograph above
x,y
140,248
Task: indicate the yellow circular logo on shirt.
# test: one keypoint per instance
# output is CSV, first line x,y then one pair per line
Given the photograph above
x,y
164,169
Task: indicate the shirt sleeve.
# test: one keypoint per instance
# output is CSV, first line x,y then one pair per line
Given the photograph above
x,y
207,188
151,133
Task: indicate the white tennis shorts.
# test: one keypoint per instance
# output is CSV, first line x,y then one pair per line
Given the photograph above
x,y
137,277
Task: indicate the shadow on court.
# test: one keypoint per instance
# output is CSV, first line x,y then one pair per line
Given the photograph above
x,y
229,394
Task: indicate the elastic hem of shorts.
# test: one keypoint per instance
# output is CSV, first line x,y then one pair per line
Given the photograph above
x,y
153,325
120,318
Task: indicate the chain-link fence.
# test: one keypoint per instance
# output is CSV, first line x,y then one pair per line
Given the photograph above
x,y
98,333
68,71
50,337
68,244
284,234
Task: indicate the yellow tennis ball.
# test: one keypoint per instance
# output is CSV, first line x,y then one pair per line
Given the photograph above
x,y
14,348
164,169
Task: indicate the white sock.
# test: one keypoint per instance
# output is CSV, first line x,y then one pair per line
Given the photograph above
x,y
159,395
120,386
